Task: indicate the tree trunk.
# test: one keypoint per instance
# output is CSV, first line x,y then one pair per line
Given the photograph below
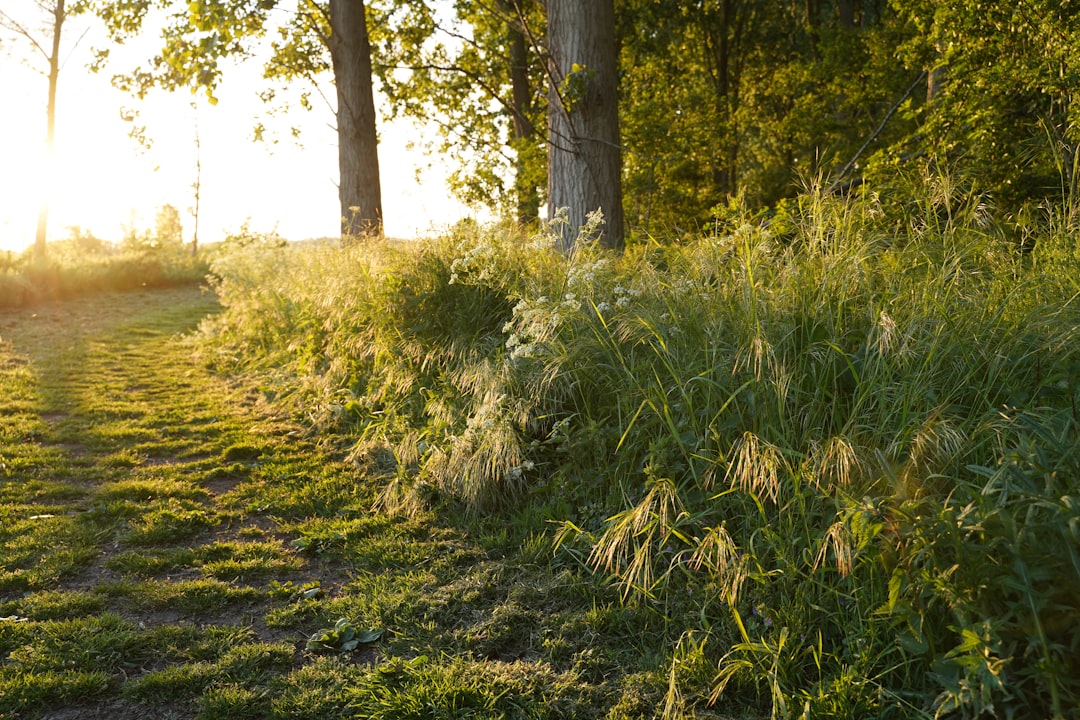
x,y
197,185
934,78
528,200
727,184
358,158
584,163
846,11
50,133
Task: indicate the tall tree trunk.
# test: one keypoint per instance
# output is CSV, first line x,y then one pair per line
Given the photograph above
x,y
528,200
584,162
721,33
727,184
358,157
50,134
197,185
846,11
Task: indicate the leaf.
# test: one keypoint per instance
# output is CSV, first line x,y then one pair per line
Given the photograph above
x,y
343,637
368,637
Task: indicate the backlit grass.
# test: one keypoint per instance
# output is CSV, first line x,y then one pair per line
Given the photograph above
x,y
825,461
168,546
71,271
823,466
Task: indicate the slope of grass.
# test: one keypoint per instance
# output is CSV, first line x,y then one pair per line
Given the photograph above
x,y
169,547
832,461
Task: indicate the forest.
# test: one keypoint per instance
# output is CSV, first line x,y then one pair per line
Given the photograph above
x,y
760,399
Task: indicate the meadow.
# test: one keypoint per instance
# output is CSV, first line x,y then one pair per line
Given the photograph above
x,y
824,463
77,268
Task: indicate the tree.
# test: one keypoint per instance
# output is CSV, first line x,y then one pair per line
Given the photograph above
x,y
200,35
50,51
358,157
196,186
478,76
748,99
168,229
1006,92
682,84
584,159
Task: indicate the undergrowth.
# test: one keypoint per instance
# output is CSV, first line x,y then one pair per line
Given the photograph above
x,y
70,271
837,456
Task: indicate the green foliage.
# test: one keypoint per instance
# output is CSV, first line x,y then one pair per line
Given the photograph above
x,y
442,337
1005,113
422,687
747,99
116,428
742,101
486,96
836,454
341,638
824,466
319,543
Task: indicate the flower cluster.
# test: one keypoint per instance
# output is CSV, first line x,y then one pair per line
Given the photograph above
x,y
623,298
624,295
584,276
517,473
535,322
477,264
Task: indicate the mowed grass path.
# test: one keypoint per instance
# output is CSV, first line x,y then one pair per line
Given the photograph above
x,y
169,547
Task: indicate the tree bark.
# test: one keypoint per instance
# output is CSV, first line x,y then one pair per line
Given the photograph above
x,y
528,200
41,235
725,179
197,185
358,160
584,161
846,11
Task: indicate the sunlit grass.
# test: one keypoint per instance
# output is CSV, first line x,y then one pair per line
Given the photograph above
x,y
74,272
779,438
170,545
821,466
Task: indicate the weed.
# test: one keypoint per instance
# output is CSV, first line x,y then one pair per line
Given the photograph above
x,y
341,638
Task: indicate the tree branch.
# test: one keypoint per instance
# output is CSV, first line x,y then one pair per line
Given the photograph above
x,y
16,27
475,77
315,26
874,135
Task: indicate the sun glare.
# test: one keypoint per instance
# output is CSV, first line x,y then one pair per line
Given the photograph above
x,y
21,180
104,183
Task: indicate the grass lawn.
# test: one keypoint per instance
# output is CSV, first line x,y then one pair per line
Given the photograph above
x,y
170,548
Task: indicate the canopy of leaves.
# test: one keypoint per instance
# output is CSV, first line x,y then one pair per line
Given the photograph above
x,y
719,99
1010,77
456,68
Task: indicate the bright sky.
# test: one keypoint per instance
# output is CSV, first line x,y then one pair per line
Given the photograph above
x,y
104,180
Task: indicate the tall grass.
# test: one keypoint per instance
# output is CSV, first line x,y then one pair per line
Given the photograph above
x,y
838,456
72,271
